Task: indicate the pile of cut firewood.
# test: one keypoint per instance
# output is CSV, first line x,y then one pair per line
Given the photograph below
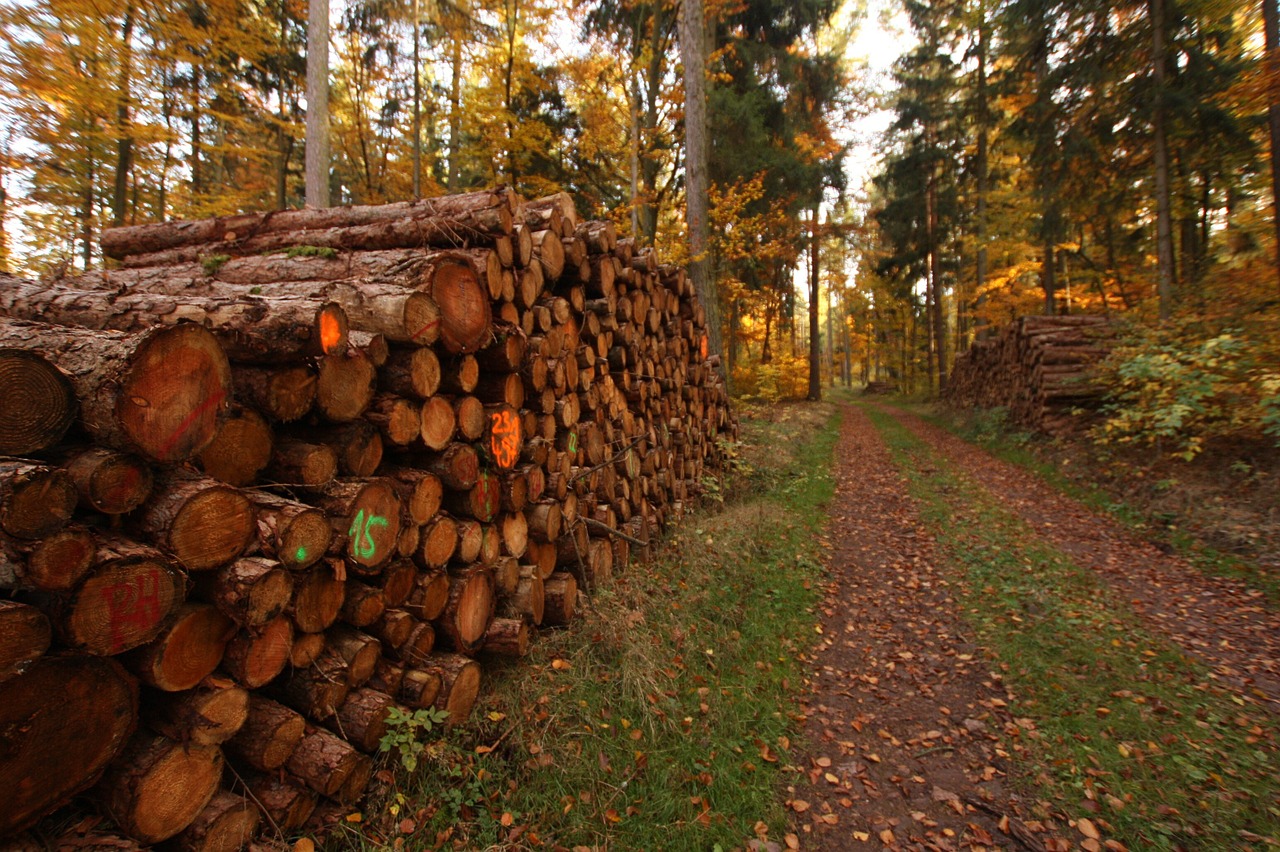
x,y
1039,368
277,474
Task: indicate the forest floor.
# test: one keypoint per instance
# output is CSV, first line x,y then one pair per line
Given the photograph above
x,y
1003,667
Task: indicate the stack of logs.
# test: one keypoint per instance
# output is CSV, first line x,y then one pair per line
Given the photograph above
x,y
278,474
1040,368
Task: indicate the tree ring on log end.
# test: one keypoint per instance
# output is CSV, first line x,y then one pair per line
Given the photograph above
x,y
465,313
40,403
213,527
175,388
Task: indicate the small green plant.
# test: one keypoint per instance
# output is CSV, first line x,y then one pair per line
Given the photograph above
x,y
311,251
406,734
212,263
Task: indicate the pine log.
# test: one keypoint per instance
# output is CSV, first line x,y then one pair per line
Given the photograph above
x,y
285,805
420,491
251,591
507,637
544,520
123,602
281,393
357,652
388,677
294,462
249,327
345,385
268,736
186,651
227,824
294,534
158,787
418,646
529,598
459,684
469,609
411,372
363,605
255,657
419,689
109,481
209,714
202,522
438,543
40,403
25,635
306,649
362,719
470,540
506,575
318,596
159,392
430,596
240,449
359,445
329,766
397,581
316,691
35,500
469,216
514,529
366,512
393,628
53,749
438,422
397,418
481,502
560,597
468,413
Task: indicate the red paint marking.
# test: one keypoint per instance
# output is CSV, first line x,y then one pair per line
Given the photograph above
x,y
487,491
133,608
189,421
424,329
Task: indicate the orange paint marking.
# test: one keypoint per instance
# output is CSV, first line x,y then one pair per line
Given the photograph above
x,y
504,438
330,332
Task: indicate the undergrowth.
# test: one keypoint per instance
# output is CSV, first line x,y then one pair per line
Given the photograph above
x,y
1114,723
661,719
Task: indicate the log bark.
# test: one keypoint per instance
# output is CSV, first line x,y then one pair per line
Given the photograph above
x,y
40,403
210,714
25,635
158,392
459,684
228,823
507,637
293,533
35,500
269,735
109,481
362,719
561,598
158,787
285,805
419,689
454,218
329,766
56,748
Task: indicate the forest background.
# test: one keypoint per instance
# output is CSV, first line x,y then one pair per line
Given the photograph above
x,y
1043,156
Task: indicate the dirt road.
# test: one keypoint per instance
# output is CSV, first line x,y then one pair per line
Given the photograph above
x,y
910,740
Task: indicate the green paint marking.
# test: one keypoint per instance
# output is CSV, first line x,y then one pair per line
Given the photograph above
x,y
362,544
573,442
301,555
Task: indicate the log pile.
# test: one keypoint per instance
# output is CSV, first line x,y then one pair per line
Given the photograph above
x,y
277,474
1039,368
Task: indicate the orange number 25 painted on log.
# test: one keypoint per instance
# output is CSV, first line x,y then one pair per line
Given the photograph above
x,y
505,439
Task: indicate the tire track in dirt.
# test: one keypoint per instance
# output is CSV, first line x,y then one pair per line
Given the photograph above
x,y
1219,620
907,733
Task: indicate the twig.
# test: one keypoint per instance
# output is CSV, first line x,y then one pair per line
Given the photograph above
x,y
1017,828
605,528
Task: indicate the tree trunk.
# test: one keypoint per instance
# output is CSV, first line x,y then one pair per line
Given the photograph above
x,y
1271,28
815,352
692,22
317,154
1164,215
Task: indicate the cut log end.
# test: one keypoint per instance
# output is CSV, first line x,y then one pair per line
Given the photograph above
x,y
177,385
40,403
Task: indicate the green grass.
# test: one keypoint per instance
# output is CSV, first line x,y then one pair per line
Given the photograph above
x,y
988,429
1114,714
662,718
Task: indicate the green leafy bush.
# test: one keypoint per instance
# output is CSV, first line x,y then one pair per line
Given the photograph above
x,y
1174,389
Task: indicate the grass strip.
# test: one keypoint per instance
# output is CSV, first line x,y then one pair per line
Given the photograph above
x,y
1115,724
988,429
661,719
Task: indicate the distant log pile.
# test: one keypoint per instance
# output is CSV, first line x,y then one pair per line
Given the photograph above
x,y
1040,368
280,473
